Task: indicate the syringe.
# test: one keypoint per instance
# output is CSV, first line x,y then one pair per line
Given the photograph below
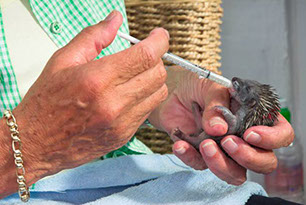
x,y
202,72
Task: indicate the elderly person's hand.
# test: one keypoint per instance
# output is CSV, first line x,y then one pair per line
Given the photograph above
x,y
80,108
185,88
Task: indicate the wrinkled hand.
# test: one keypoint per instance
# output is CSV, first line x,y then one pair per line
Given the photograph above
x,y
185,88
81,108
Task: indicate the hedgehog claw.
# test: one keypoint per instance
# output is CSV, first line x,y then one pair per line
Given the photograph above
x,y
176,134
194,140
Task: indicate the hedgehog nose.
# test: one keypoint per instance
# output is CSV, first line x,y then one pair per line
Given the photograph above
x,y
234,79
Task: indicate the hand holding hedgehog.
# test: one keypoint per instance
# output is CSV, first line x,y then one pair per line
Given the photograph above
x,y
251,104
197,110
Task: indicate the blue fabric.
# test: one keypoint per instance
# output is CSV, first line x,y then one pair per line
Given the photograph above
x,y
135,180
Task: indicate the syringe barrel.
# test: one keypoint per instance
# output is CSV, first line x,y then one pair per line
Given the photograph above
x,y
198,70
220,80
202,73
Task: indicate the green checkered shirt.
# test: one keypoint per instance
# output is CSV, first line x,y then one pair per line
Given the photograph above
x,y
62,20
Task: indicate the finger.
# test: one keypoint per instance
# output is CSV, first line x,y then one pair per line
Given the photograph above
x,y
213,122
257,160
150,103
130,119
189,155
146,106
142,85
140,57
223,167
89,43
280,135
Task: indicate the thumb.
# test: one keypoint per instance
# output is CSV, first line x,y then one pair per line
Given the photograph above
x,y
212,121
88,44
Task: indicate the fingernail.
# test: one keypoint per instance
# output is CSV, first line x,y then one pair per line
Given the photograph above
x,y
156,29
230,145
111,16
216,121
167,33
209,149
253,137
180,150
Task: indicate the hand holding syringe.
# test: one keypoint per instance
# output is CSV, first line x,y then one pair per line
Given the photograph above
x,y
202,72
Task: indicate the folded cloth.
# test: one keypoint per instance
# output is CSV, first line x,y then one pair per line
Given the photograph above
x,y
137,180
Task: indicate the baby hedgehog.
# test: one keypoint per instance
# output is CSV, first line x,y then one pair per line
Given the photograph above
x,y
251,104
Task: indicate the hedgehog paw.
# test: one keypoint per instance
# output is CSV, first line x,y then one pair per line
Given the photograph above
x,y
229,117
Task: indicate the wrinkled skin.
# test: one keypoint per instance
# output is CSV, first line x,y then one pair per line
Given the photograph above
x,y
81,108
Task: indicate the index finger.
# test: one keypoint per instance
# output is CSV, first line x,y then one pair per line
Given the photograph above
x,y
140,57
280,135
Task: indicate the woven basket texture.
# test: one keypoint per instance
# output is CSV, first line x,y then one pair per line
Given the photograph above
x,y
194,27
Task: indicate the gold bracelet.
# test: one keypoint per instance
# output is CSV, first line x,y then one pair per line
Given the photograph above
x,y
23,190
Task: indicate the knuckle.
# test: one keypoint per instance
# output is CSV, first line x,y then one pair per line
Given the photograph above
x,y
114,111
107,107
235,181
160,96
239,182
57,57
92,83
57,53
147,56
200,167
109,112
197,162
164,93
137,96
290,137
89,31
272,166
248,160
162,73
268,167
237,178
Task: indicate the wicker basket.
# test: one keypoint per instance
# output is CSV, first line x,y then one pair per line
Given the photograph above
x,y
194,27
